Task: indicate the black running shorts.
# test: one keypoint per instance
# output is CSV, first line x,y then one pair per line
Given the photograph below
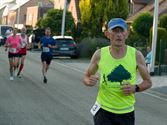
x,y
107,118
13,55
46,58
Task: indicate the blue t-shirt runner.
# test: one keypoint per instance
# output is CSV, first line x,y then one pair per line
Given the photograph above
x,y
47,43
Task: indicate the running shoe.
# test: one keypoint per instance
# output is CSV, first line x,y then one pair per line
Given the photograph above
x,y
19,75
44,79
11,78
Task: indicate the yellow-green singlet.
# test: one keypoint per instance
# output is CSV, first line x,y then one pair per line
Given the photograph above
x,y
113,73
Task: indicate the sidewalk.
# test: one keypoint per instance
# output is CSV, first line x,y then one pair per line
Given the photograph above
x,y
157,81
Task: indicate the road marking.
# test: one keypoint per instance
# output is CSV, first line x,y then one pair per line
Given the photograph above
x,y
159,93
71,67
147,93
153,95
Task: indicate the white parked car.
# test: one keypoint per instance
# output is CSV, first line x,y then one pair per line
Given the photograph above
x,y
3,30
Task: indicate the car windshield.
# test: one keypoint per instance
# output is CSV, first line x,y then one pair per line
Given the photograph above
x,y
4,29
64,41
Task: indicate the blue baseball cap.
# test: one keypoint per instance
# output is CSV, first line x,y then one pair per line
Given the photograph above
x,y
117,22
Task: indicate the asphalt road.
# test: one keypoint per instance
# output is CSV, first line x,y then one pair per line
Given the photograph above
x,y
64,100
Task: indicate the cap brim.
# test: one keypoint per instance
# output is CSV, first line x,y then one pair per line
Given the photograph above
x,y
121,26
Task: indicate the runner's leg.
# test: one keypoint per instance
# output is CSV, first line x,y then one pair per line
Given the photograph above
x,y
21,65
16,62
48,61
11,67
44,70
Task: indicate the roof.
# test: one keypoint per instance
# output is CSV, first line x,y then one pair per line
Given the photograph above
x,y
1,7
16,6
148,8
6,9
3,2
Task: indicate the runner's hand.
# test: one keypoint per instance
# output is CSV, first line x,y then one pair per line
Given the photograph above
x,y
9,45
92,80
128,89
50,46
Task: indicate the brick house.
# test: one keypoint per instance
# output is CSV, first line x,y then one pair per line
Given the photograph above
x,y
73,7
10,17
34,13
59,4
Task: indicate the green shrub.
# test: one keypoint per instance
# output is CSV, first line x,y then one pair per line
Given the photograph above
x,y
89,45
161,39
136,40
142,24
163,21
29,30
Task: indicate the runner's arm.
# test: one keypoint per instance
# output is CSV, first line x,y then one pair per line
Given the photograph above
x,y
53,45
7,44
40,44
146,83
28,43
90,78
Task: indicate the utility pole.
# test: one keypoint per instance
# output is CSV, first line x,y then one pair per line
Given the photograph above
x,y
154,40
63,18
18,14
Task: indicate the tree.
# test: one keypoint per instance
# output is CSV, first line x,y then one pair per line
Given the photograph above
x,y
53,20
142,24
86,12
118,8
94,13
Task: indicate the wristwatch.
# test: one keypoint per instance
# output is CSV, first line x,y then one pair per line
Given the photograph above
x,y
137,88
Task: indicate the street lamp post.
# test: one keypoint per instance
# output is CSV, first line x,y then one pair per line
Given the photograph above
x,y
154,40
18,14
63,18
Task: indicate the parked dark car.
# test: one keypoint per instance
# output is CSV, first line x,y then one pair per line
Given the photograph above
x,y
66,46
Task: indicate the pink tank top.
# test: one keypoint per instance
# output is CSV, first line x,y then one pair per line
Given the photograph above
x,y
15,44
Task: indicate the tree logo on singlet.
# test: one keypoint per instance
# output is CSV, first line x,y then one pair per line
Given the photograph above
x,y
119,74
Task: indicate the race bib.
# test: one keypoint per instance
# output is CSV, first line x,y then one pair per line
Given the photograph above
x,y
95,108
12,50
46,49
